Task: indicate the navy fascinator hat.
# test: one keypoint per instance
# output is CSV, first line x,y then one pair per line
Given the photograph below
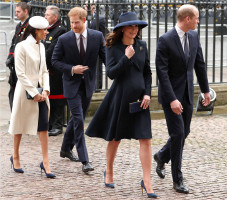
x,y
129,18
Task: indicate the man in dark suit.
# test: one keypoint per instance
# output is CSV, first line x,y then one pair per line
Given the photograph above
x,y
57,99
177,54
22,13
101,26
75,55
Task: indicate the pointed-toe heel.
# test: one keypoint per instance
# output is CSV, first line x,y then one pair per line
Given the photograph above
x,y
20,170
110,185
149,195
48,175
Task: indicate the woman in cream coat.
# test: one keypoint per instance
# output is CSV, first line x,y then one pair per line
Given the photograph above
x,y
31,116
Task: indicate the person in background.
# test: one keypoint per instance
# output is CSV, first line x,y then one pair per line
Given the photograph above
x,y
30,116
102,28
75,54
178,53
22,14
57,99
129,66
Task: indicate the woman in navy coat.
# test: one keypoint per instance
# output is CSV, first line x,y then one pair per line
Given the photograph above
x,y
129,66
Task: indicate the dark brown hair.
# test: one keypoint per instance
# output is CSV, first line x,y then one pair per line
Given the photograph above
x,y
114,37
29,30
24,6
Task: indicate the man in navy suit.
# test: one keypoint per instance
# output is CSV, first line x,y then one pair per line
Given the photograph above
x,y
177,54
75,55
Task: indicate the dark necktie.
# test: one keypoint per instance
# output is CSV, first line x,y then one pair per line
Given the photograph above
x,y
82,52
186,47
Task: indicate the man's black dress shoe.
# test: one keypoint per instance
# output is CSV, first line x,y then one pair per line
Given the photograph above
x,y
180,187
160,169
54,132
87,167
69,155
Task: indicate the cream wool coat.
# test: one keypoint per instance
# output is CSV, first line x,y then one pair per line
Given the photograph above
x,y
25,113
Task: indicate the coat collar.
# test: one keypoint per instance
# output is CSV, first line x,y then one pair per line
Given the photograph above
x,y
31,39
57,23
137,49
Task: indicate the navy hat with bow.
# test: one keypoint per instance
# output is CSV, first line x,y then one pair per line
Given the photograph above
x,y
129,18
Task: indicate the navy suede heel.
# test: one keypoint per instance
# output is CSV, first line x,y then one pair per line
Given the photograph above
x,y
20,170
110,185
48,175
149,195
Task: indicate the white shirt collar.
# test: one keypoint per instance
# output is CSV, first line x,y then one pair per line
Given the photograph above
x,y
84,34
31,39
179,31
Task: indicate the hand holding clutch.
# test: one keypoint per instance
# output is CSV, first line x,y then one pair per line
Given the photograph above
x,y
135,107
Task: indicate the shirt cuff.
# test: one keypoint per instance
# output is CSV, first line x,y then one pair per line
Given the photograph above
x,y
72,73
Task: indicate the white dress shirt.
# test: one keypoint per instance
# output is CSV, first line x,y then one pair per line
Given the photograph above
x,y
78,42
181,36
84,39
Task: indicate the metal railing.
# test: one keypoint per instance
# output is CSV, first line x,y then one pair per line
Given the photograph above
x,y
3,48
161,17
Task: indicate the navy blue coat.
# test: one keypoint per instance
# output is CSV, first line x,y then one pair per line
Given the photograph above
x,y
173,72
132,80
66,55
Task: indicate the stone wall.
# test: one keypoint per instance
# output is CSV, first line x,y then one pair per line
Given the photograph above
x,y
220,89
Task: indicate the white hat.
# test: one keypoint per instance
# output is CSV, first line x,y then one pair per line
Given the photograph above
x,y
38,22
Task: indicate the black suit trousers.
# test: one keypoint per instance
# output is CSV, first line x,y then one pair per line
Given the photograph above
x,y
74,134
178,128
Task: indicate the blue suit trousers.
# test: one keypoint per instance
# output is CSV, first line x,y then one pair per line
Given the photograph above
x,y
178,128
74,134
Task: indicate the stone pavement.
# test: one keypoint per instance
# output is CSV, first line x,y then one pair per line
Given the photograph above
x,y
204,165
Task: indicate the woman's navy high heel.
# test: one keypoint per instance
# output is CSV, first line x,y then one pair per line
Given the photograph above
x,y
48,175
20,170
149,195
110,185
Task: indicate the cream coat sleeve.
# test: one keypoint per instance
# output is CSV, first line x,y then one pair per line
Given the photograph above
x,y
20,66
45,73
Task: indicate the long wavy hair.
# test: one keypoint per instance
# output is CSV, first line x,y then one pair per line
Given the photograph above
x,y
114,37
29,30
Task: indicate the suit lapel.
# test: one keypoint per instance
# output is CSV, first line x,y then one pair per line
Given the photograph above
x,y
190,46
179,45
90,38
74,44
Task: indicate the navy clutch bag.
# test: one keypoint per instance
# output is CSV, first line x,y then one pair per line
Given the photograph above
x,y
28,95
135,107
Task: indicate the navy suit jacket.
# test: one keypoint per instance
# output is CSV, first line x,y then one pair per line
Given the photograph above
x,y
175,75
66,55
